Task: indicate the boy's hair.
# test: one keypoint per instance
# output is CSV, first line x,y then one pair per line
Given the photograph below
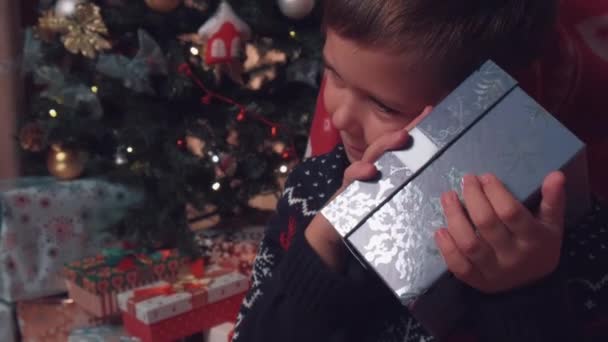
x,y
452,36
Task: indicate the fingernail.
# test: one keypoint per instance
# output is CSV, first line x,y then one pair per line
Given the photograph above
x,y
485,178
441,234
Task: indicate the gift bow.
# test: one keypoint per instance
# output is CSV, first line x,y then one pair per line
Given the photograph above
x,y
139,295
151,292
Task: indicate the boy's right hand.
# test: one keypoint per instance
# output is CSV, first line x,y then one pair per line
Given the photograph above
x,y
321,235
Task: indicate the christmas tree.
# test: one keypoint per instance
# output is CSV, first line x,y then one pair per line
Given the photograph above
x,y
201,105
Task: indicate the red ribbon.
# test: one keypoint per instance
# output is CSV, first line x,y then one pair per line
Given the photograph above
x,y
151,292
197,268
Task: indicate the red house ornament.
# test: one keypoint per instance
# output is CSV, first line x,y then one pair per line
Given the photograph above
x,y
225,35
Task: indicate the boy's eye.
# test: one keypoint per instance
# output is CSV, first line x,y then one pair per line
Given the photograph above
x,y
335,77
384,109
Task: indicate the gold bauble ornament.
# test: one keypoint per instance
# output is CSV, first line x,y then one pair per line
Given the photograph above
x,y
66,163
163,5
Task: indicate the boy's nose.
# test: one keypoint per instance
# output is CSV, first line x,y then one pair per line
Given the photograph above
x,y
346,117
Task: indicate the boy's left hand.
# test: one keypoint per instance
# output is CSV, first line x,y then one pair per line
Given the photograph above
x,y
512,247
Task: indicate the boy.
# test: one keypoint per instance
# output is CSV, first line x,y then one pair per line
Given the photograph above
x,y
387,63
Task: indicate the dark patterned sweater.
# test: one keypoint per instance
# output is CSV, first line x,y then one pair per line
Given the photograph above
x,y
295,297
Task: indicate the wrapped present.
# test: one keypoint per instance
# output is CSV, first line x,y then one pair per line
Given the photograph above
x,y
232,248
51,319
45,223
7,323
94,282
165,312
487,125
221,333
103,333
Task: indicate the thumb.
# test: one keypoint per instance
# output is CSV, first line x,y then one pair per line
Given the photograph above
x,y
553,203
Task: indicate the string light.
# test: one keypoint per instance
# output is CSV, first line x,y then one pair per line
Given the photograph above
x,y
94,89
194,51
120,159
215,158
130,149
216,186
186,70
60,156
53,113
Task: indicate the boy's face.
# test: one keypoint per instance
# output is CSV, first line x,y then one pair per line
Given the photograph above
x,y
370,92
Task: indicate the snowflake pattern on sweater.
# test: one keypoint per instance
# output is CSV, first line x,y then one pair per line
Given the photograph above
x,y
311,185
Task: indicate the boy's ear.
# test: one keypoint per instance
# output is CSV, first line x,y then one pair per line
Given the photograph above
x,y
427,110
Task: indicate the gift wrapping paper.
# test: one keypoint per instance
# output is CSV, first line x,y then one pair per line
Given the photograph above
x,y
45,223
487,125
103,333
94,282
7,323
186,324
221,333
233,248
51,319
160,301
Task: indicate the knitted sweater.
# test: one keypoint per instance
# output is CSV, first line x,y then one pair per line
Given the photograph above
x,y
295,297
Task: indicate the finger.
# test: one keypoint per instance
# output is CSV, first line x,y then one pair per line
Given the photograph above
x,y
394,140
456,262
385,143
509,210
553,203
463,234
360,171
483,216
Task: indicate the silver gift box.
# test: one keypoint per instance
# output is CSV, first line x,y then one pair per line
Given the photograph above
x,y
487,124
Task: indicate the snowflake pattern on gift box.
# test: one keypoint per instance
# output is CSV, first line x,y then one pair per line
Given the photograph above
x,y
7,213
61,229
538,117
21,201
9,240
45,203
466,103
346,210
398,242
454,180
492,84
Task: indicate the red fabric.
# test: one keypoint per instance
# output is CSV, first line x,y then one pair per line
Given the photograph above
x,y
570,80
323,135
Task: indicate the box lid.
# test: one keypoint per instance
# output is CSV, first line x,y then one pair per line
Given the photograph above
x,y
448,120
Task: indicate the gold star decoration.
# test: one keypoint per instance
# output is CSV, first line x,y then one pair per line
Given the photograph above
x,y
83,33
